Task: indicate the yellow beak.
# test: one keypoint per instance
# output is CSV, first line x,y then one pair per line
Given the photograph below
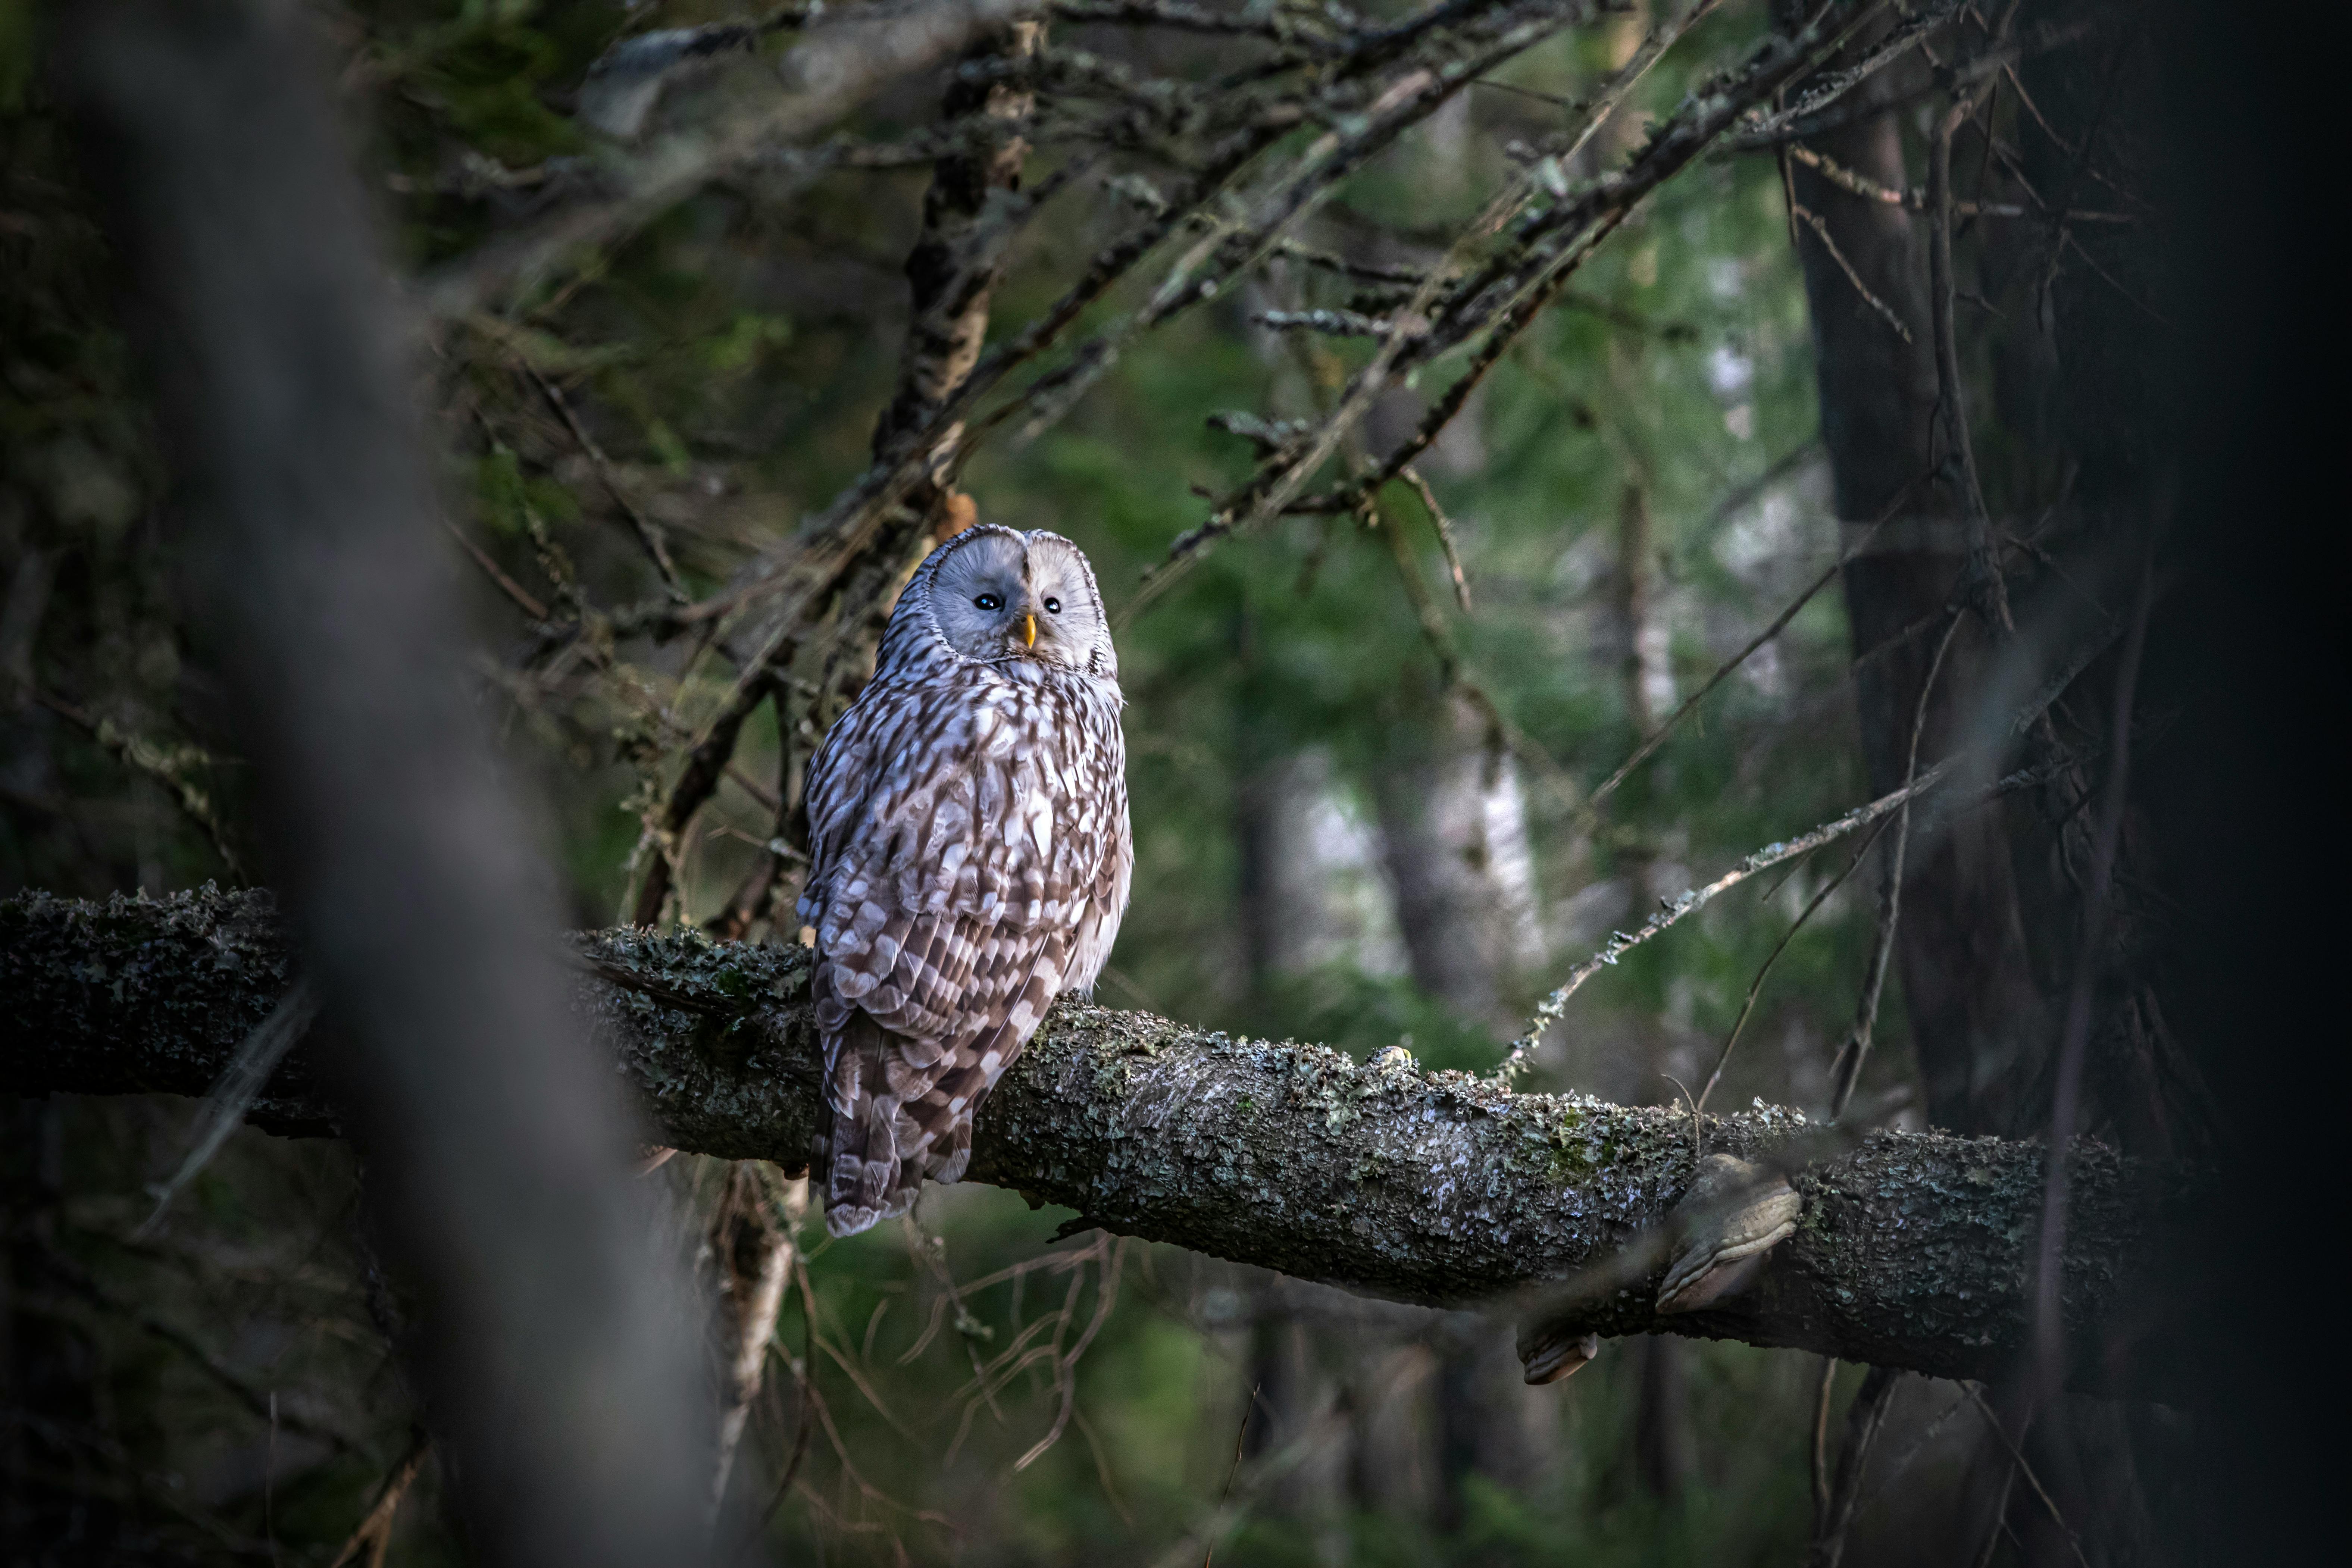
x,y
1029,631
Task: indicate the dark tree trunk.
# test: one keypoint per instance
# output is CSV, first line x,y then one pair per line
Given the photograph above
x,y
1978,1018
1999,921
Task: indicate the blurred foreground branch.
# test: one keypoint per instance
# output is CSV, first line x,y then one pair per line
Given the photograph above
x,y
305,510
1432,1187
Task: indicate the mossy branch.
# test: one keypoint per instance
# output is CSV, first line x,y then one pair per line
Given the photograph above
x,y
1432,1187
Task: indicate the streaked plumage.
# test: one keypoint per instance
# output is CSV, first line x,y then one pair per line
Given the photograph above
x,y
971,856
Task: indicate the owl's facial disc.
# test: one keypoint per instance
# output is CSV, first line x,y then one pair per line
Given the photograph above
x,y
1007,595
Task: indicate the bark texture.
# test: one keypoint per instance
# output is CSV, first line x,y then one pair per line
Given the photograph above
x,y
1427,1188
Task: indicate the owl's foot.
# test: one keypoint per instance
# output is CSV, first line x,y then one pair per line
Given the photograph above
x,y
1734,1214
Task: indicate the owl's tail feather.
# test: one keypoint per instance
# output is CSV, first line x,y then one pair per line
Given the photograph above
x,y
858,1147
886,1127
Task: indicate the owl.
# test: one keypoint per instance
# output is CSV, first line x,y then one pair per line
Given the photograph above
x,y
970,856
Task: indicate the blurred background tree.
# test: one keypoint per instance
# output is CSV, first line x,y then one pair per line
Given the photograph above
x,y
1366,739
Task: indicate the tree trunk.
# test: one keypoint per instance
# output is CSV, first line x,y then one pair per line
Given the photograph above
x,y
1453,826
1977,1017
1455,833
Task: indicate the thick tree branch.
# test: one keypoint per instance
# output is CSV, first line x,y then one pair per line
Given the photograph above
x,y
1430,1187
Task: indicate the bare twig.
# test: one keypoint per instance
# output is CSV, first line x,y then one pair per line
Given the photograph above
x,y
1846,1072
1065,1369
2066,1112
1444,527
1817,1450
1987,590
1779,624
1755,987
524,600
804,1372
1918,200
1671,912
1241,1435
2017,1457
751,1239
1813,221
373,1535
1863,1419
2000,1526
649,533
167,765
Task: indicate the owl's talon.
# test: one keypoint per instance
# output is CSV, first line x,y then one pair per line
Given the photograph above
x,y
1734,1214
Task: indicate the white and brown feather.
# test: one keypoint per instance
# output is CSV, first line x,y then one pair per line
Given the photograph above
x,y
972,860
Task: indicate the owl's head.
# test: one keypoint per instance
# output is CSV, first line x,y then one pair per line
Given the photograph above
x,y
997,595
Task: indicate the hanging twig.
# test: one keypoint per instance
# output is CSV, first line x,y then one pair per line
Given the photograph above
x,y
751,1241
1817,1451
1987,589
1065,1368
1755,987
2000,1516
649,533
1846,1072
2017,1457
1863,1419
1779,624
2065,1110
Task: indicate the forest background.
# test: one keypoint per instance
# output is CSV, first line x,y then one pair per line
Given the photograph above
x,y
1376,750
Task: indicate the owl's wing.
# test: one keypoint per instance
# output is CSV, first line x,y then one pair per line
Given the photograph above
x,y
958,851
1097,925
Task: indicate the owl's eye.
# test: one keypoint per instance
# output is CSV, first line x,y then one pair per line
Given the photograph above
x,y
989,602
1052,606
